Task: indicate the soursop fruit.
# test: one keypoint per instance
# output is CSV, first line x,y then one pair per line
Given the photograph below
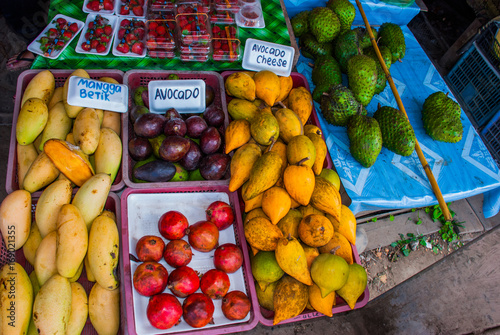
x,y
441,118
346,46
338,105
386,55
345,12
365,139
299,23
319,90
397,132
324,24
392,37
326,70
364,36
311,48
362,77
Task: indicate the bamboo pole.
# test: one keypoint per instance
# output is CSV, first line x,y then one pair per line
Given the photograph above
x,y
423,161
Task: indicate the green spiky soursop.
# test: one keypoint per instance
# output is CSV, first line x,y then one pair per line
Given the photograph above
x,y
441,118
345,11
299,23
397,132
362,77
365,139
346,46
392,37
386,55
364,36
311,48
326,70
324,24
338,104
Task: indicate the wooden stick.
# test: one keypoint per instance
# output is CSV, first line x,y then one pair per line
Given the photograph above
x,y
423,161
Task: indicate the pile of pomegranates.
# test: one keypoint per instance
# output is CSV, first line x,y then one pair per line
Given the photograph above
x,y
152,279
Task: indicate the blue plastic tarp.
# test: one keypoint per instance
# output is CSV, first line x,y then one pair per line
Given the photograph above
x,y
462,170
377,11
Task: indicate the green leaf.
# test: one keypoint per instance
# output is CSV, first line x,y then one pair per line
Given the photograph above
x,y
427,209
436,214
391,218
435,250
401,236
374,219
406,252
423,243
394,244
413,209
410,235
419,221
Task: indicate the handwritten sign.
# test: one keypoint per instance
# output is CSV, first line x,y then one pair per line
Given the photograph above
x,y
92,93
186,96
262,55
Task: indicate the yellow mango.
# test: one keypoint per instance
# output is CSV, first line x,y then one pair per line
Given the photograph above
x,y
315,230
88,271
16,299
292,259
262,234
79,310
70,139
276,203
91,197
15,219
108,154
103,251
236,134
240,85
86,130
321,152
26,155
289,124
290,298
354,286
42,86
241,165
72,111
326,198
49,204
286,85
289,224
56,97
112,120
301,102
104,310
299,182
31,120
52,307
58,124
100,116
77,274
41,173
45,258
267,86
72,240
320,304
32,243
109,214
265,173
242,109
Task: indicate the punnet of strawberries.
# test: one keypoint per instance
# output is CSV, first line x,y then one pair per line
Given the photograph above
x,y
132,7
225,43
98,35
103,5
56,37
192,6
131,33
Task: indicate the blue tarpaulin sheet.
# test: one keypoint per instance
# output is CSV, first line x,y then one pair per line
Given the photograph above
x,y
462,169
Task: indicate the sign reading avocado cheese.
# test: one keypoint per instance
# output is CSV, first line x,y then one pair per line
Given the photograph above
x,y
93,93
186,96
261,55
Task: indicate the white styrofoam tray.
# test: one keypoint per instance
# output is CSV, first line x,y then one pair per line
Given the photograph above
x,y
119,3
143,213
113,21
102,11
117,40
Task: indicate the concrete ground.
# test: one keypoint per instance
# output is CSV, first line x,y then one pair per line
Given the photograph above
x,y
445,293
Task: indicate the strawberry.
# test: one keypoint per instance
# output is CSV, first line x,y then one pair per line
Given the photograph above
x,y
123,48
100,48
104,38
60,43
121,33
152,34
125,23
139,32
138,10
94,44
86,46
140,2
129,38
73,27
67,35
61,22
124,10
99,32
151,43
108,30
161,30
152,25
108,5
139,24
138,48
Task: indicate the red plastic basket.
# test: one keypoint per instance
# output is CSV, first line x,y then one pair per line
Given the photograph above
x,y
240,239
12,183
136,78
113,205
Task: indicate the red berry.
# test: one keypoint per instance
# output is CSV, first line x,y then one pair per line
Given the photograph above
x,y
73,27
124,10
108,30
101,48
86,46
138,10
108,5
138,48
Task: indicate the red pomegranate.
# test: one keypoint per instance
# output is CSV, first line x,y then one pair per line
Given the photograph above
x,y
164,311
150,278
172,225
149,248
215,284
221,214
178,253
183,281
198,310
203,236
236,305
228,258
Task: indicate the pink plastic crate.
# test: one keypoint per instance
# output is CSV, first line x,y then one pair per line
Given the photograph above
x,y
11,183
112,204
130,249
136,78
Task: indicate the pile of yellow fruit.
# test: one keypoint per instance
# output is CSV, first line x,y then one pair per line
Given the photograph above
x,y
299,231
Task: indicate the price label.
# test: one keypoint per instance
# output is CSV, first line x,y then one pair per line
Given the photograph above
x,y
186,96
92,93
262,55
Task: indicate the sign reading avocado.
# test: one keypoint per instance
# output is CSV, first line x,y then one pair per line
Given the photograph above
x,y
93,93
186,96
261,55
